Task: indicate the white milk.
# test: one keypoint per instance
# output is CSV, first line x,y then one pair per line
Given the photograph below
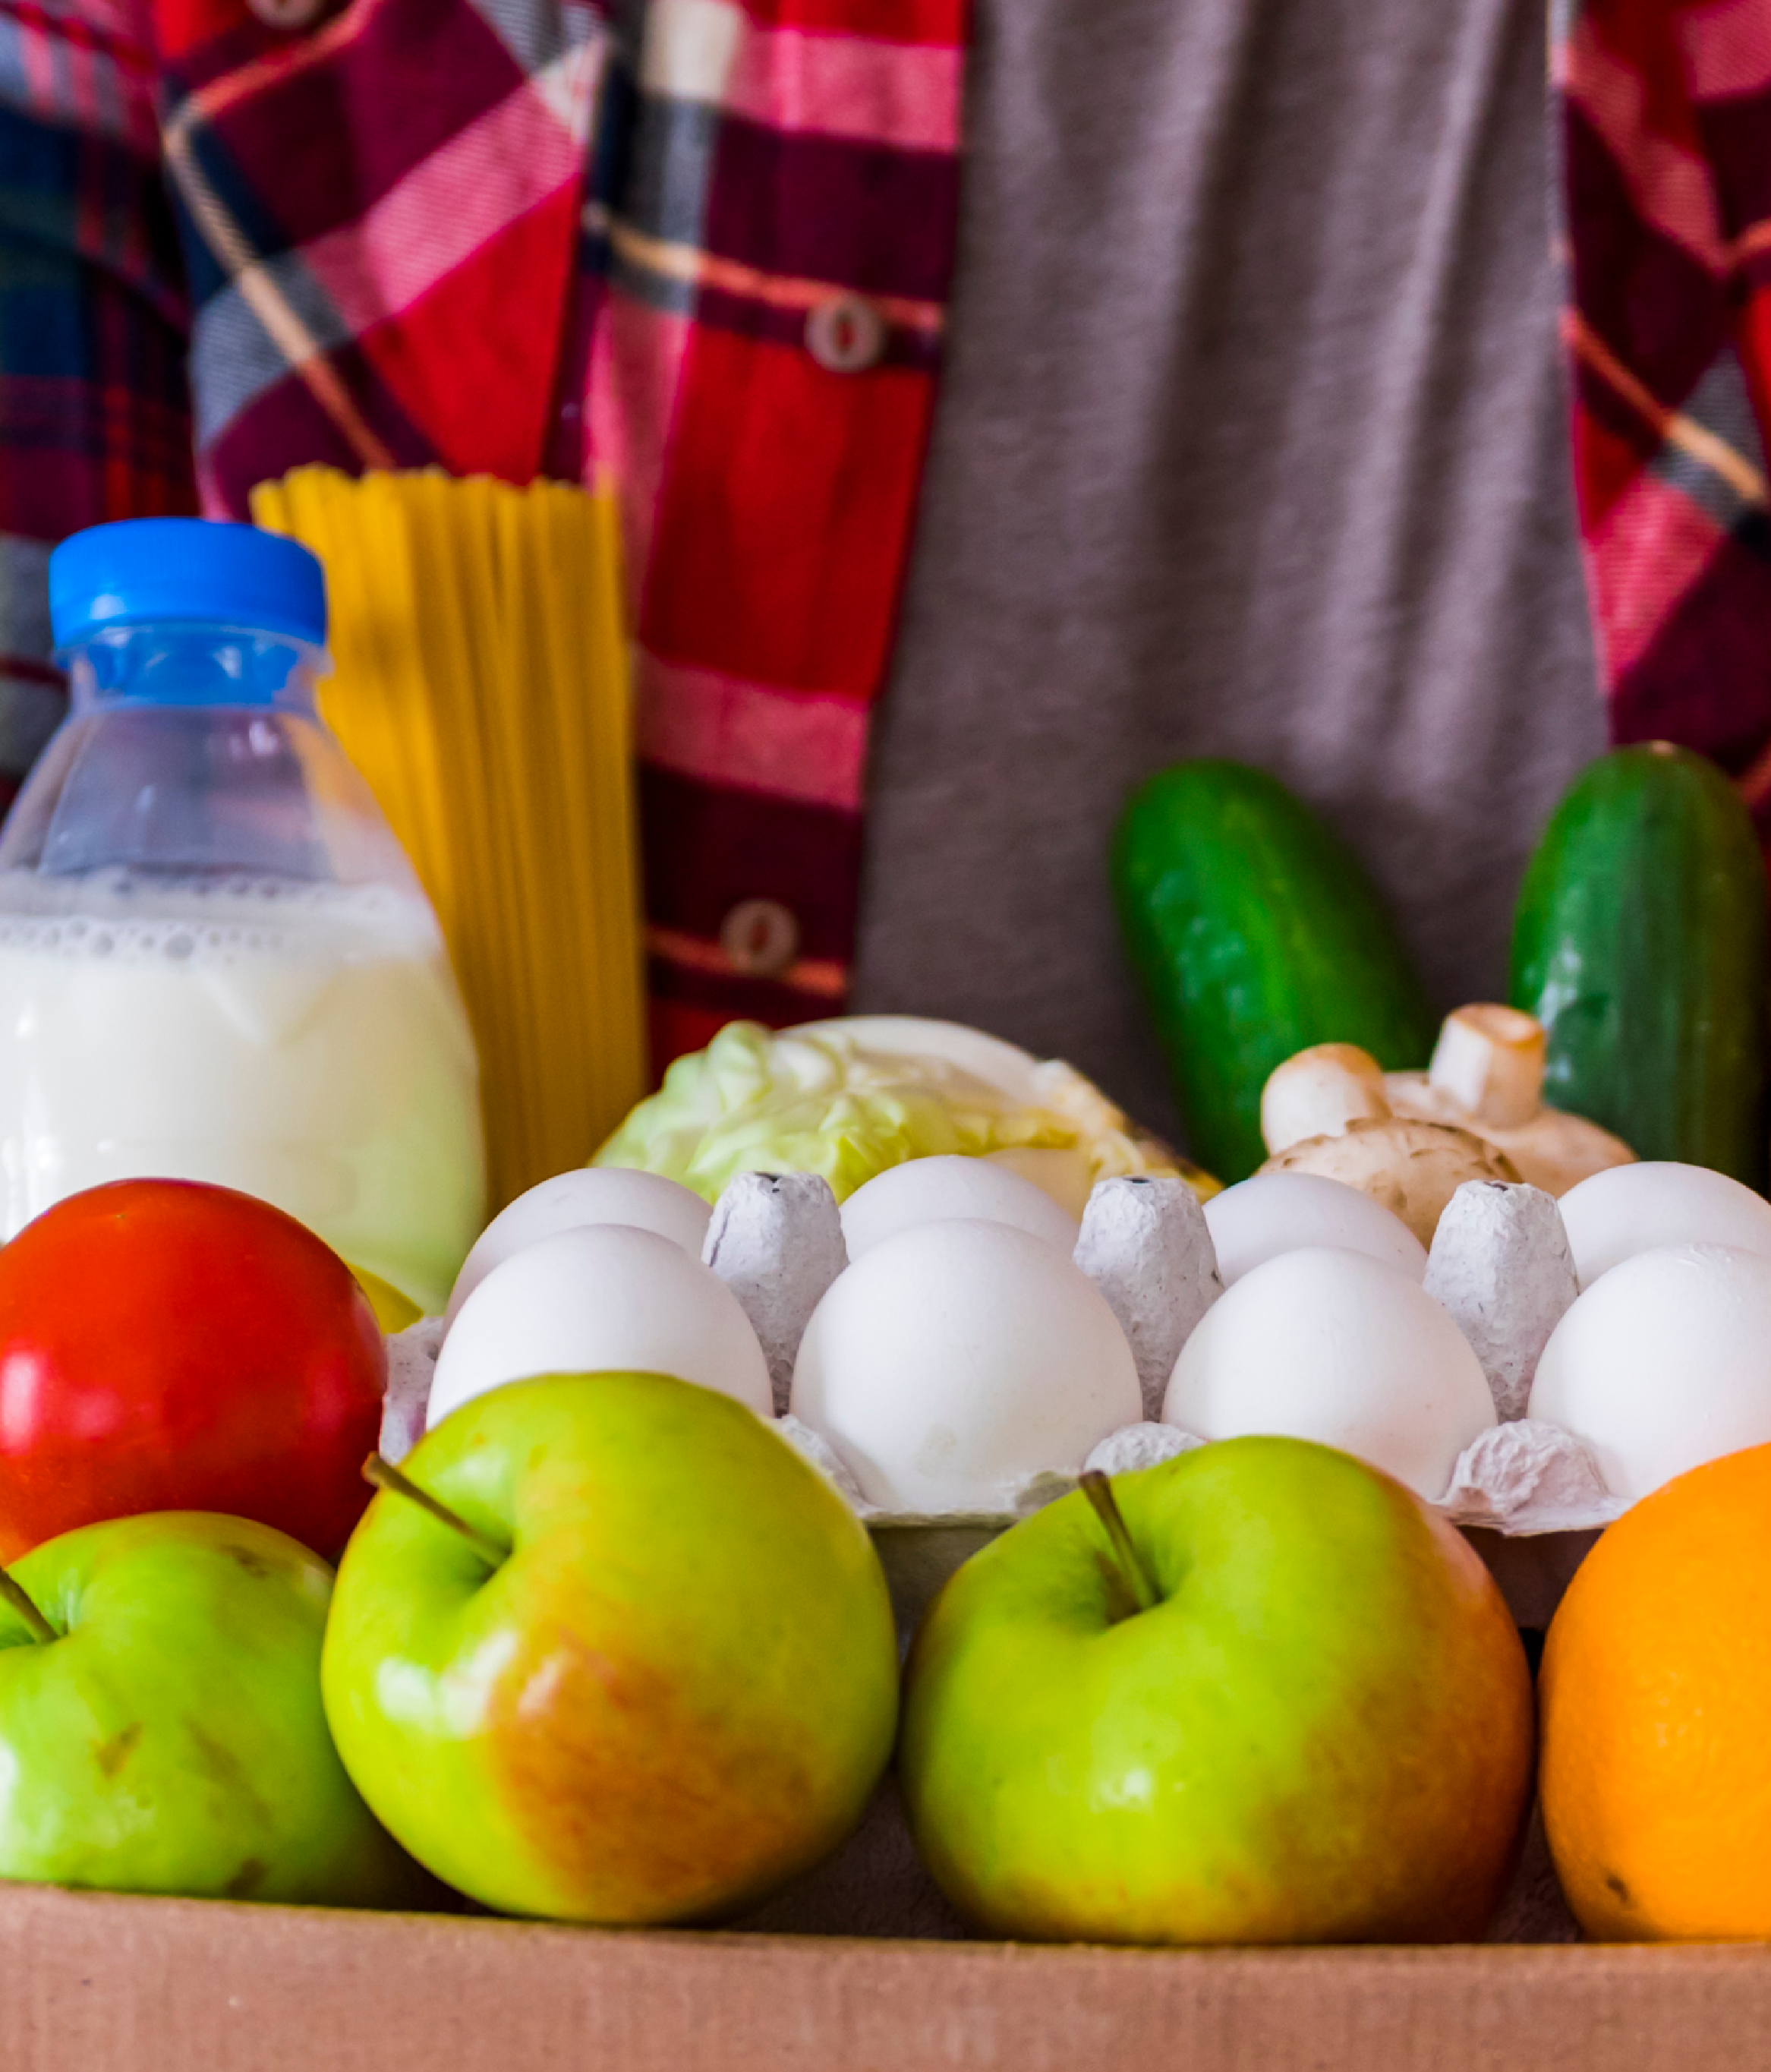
x,y
303,1043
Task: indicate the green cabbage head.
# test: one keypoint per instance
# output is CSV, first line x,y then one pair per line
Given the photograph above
x,y
837,1098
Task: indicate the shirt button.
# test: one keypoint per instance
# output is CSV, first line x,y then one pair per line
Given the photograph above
x,y
760,937
846,334
288,13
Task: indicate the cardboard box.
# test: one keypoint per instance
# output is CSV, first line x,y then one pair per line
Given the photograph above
x,y
92,1983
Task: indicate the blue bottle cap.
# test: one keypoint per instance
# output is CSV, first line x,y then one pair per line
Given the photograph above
x,y
139,569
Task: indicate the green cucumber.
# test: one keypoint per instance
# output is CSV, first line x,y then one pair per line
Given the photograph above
x,y
1640,945
1256,933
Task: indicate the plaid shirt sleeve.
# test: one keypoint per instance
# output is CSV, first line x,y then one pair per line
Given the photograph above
x,y
777,243
94,423
1665,132
702,249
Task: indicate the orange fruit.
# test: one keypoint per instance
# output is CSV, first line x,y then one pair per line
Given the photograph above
x,y
1655,1701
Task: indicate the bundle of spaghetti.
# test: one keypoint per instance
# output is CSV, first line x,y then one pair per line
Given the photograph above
x,y
480,684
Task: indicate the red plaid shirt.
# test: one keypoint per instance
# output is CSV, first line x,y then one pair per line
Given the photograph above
x,y
1666,136
703,246
712,262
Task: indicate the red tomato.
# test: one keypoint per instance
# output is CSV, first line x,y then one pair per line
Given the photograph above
x,y
166,1346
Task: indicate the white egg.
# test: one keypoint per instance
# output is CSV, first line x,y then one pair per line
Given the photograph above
x,y
1629,1209
955,1360
1340,1347
606,1298
1663,1363
1258,1219
572,1201
933,1190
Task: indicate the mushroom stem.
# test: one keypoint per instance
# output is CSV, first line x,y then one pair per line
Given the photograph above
x,y
1490,1060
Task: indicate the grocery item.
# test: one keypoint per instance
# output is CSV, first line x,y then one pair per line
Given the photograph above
x,y
1340,1347
1317,1091
1655,1693
167,1345
1501,1270
1614,1215
1282,1703
573,1200
215,962
776,1241
1640,945
955,1361
1257,1219
847,1098
945,1187
607,1295
1255,933
1412,1169
1486,1077
1663,1362
1146,1246
669,1683
161,1729
393,1311
483,689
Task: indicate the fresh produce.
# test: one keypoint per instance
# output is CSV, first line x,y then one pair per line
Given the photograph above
x,y
1412,1169
1656,1699
1256,933
1614,1215
648,1674
847,1098
169,1346
1257,1219
1282,1703
954,1361
1663,1362
1337,1346
1486,1078
1640,945
942,1190
604,1296
393,1311
575,1201
161,1729
1317,1091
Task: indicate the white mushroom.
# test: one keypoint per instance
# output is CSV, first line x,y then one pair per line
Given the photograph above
x,y
1486,1079
1489,1061
1412,1168
1487,1076
1318,1091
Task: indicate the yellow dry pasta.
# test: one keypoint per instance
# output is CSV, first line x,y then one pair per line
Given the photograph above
x,y
481,685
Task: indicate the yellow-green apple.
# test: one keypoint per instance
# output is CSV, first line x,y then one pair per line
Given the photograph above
x,y
1265,1696
161,1729
629,1659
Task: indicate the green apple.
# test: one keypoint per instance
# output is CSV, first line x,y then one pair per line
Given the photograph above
x,y
648,1672
161,1729
1270,1697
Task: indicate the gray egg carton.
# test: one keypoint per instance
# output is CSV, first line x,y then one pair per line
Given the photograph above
x,y
1500,1265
